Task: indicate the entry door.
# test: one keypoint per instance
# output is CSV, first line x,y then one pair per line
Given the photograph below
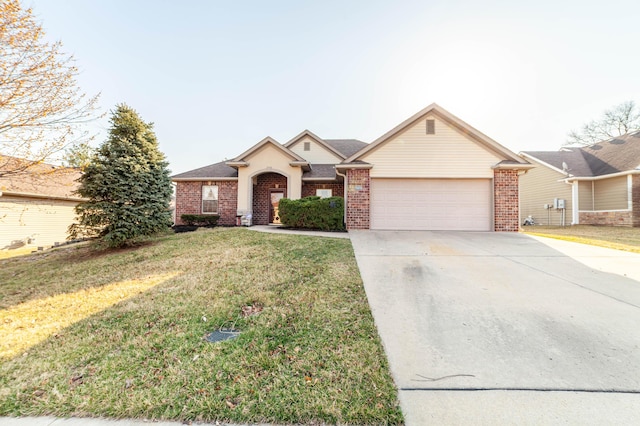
x,y
275,195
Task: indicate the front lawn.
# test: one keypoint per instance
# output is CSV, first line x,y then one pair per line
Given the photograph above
x,y
121,334
616,237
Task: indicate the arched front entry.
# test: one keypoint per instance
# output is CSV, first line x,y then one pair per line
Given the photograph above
x,y
268,189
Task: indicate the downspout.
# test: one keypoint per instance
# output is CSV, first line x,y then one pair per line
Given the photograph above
x,y
344,216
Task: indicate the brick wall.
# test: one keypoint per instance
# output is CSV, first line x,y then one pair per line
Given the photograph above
x,y
189,200
358,199
635,191
606,218
505,190
261,197
309,189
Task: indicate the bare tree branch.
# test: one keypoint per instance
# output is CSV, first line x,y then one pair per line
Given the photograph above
x,y
42,109
619,120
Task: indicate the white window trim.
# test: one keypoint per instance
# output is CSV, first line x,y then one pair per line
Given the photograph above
x,y
203,199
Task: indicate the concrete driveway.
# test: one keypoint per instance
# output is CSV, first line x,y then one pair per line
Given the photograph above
x,y
503,328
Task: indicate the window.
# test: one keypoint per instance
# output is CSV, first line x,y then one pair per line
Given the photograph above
x,y
431,127
323,193
209,199
307,146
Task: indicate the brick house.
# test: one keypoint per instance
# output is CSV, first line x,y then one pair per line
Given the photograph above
x,y
431,172
599,184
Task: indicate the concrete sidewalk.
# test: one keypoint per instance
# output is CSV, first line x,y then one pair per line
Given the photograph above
x,y
275,229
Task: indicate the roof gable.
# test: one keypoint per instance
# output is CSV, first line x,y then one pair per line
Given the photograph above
x,y
268,141
306,134
435,110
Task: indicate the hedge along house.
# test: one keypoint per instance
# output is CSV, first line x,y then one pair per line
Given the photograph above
x,y
37,205
431,172
600,184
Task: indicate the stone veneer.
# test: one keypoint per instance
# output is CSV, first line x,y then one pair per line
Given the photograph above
x,y
189,200
606,218
309,189
358,198
505,196
261,197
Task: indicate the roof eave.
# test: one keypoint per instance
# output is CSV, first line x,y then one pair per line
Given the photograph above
x,y
318,139
41,196
197,179
608,176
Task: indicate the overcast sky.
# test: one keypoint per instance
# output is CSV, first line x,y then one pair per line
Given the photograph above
x,y
216,77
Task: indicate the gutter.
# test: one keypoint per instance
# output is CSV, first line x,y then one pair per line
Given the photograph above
x,y
41,196
592,178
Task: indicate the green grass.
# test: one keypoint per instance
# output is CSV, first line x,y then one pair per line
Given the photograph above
x,y
129,340
619,238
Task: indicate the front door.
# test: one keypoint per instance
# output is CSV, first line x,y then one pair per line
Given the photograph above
x,y
274,196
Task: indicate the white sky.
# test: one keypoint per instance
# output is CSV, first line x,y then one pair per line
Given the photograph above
x,y
216,77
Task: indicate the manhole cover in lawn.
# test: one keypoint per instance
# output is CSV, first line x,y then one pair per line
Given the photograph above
x,y
222,334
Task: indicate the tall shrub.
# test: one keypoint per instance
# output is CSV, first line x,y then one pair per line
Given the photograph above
x,y
127,184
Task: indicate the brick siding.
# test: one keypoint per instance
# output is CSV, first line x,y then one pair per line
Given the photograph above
x,y
308,189
505,190
606,218
358,199
189,200
261,197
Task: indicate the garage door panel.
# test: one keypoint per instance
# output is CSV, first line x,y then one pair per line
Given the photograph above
x,y
431,204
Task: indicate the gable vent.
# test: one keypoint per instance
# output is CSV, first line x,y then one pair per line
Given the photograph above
x,y
307,146
431,127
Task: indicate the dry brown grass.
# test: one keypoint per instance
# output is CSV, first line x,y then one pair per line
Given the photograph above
x,y
619,238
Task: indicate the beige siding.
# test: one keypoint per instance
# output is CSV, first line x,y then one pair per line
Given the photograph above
x,y
265,160
447,154
45,221
539,186
611,194
585,195
317,153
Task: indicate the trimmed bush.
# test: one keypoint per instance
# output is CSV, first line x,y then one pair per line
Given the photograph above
x,y
200,219
313,212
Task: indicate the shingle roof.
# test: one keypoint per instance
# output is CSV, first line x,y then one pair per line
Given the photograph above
x,y
611,156
346,147
572,157
321,171
44,180
614,155
217,170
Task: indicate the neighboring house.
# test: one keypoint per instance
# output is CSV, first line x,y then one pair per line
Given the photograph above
x,y
600,184
37,206
431,172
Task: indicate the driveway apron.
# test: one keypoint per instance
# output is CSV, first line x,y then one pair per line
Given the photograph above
x,y
503,328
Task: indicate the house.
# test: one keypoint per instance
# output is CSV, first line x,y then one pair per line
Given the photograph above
x,y
600,184
36,205
431,172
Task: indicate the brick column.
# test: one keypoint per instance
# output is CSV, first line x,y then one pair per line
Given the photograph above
x,y
358,199
505,196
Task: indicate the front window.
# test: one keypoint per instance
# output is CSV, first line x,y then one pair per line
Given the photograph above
x,y
323,193
209,199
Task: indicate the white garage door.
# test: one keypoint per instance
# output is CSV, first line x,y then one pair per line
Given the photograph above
x,y
431,204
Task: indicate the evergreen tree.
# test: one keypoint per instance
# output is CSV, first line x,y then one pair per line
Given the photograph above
x,y
126,183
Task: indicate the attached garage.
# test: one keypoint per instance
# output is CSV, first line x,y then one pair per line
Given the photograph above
x,y
433,172
431,204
